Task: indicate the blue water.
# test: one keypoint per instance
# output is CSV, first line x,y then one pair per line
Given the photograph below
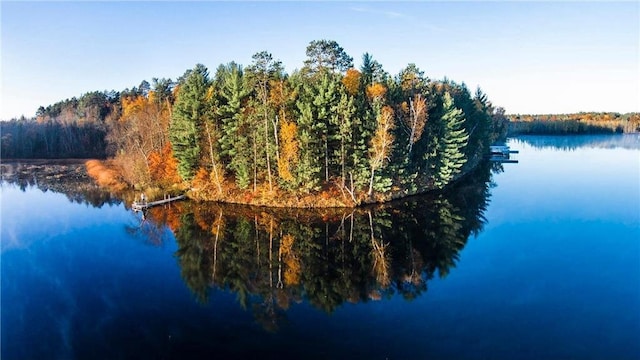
x,y
554,271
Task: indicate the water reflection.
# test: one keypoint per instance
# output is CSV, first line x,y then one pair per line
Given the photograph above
x,y
67,177
271,258
623,141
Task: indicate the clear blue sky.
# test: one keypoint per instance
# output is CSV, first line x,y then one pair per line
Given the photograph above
x,y
529,57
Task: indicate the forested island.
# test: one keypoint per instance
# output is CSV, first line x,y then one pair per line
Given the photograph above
x,y
326,135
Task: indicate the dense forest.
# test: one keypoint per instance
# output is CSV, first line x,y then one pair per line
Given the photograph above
x,y
326,135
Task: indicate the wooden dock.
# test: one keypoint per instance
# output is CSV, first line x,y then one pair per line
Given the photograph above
x,y
501,150
501,153
142,206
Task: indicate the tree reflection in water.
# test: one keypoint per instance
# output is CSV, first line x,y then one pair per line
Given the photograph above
x,y
271,258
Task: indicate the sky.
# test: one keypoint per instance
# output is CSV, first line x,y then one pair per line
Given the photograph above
x,y
528,57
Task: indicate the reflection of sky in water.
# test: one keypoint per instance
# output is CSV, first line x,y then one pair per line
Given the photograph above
x,y
67,269
555,274
556,185
34,215
557,268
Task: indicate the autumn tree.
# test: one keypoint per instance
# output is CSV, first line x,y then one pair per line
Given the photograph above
x,y
289,152
416,120
140,132
381,143
412,80
163,167
351,81
282,97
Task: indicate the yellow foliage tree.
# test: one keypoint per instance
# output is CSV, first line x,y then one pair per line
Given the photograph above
x,y
293,267
351,81
288,150
381,143
376,92
133,105
417,119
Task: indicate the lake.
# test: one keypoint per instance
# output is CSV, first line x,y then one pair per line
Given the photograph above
x,y
530,260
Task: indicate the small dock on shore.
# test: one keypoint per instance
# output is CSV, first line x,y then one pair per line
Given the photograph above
x,y
501,150
501,153
144,205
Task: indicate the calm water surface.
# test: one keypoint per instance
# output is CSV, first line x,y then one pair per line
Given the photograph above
x,y
539,260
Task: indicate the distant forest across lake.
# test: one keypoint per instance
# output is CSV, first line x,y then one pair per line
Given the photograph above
x,y
569,124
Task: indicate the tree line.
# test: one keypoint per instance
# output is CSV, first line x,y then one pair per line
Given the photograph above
x,y
255,133
580,123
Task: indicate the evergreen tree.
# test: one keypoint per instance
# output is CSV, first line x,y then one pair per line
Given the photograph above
x,y
343,120
371,70
188,115
261,72
452,144
485,131
235,142
477,112
365,120
325,126
309,165
326,55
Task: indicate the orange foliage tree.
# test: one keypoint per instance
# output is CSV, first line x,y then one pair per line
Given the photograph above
x,y
351,81
163,166
293,268
289,150
141,136
376,92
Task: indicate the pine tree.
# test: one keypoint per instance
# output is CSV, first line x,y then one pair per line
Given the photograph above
x,y
188,115
325,126
343,119
365,121
261,72
326,56
452,144
310,146
371,70
234,142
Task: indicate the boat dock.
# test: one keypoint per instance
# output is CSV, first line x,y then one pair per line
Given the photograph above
x,y
142,206
501,153
501,150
